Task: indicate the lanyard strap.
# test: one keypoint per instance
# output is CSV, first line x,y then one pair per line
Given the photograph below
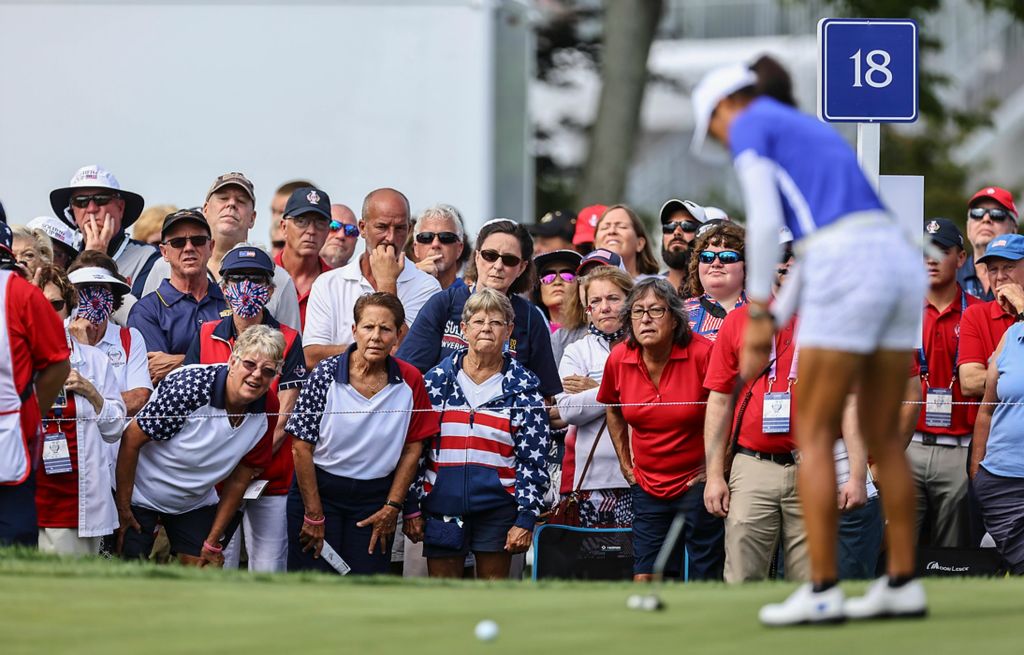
x,y
792,366
923,361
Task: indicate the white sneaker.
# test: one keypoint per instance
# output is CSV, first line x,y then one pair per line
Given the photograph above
x,y
883,601
804,606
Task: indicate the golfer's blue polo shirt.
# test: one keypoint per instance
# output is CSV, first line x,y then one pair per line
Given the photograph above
x,y
169,319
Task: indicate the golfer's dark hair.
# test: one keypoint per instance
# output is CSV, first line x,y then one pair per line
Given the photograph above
x,y
773,80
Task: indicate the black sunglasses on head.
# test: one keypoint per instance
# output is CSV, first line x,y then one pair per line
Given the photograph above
x,y
446,238
997,215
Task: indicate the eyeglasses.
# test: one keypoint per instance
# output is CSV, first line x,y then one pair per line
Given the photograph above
x,y
726,257
238,278
100,199
686,226
265,371
58,305
349,229
567,276
479,324
656,312
304,221
446,238
492,256
997,215
198,240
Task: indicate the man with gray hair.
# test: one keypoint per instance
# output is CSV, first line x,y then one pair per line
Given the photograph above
x,y
438,243
342,237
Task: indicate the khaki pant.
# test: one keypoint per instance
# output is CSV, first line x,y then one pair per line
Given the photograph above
x,y
940,480
764,509
65,541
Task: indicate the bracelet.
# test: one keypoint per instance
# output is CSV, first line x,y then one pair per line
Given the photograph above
x,y
391,503
309,521
213,549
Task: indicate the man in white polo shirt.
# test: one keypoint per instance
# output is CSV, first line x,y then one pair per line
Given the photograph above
x,y
383,267
204,425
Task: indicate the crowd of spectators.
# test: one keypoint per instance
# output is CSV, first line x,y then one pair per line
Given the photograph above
x,y
424,405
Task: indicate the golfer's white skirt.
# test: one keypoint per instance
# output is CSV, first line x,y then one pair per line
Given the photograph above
x,y
859,286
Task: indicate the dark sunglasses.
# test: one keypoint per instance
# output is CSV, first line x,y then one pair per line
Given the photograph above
x,y
350,230
178,243
446,238
686,226
238,278
997,215
492,256
58,305
549,278
726,257
265,371
100,199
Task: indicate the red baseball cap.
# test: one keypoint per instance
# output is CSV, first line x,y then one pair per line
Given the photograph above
x,y
586,224
1002,196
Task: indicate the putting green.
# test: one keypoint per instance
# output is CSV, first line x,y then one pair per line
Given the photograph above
x,y
94,606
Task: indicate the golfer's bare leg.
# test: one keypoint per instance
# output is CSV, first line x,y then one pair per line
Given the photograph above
x,y
882,387
824,380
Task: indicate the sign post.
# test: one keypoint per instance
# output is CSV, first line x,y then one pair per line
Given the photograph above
x,y
867,74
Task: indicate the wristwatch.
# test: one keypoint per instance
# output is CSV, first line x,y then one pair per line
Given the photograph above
x,y
391,503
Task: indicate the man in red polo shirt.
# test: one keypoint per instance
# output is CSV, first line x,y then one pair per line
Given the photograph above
x,y
307,218
983,325
938,449
33,343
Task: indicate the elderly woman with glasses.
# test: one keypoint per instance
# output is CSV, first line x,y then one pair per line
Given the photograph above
x,y
590,466
486,474
717,276
192,450
359,428
654,384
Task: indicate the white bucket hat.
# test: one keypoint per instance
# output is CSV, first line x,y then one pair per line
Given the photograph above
x,y
95,177
712,89
55,229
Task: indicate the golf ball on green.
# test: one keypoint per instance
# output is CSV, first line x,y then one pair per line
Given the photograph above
x,y
486,630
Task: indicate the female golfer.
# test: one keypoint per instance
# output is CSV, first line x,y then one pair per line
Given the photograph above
x,y
859,290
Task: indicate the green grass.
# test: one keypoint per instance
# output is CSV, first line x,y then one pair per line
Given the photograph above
x,y
60,606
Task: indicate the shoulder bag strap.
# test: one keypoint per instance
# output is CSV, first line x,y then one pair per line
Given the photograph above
x,y
590,457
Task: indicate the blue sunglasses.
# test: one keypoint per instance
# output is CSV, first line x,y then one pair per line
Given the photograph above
x,y
350,230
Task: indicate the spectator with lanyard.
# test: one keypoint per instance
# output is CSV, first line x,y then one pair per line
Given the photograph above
x,y
658,376
247,280
73,501
485,474
503,262
359,428
205,425
717,276
858,291
33,368
590,466
938,450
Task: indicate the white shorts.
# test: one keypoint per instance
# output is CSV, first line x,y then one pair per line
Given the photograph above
x,y
861,287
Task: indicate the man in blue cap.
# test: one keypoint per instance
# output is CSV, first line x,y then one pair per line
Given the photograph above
x,y
307,218
938,449
983,325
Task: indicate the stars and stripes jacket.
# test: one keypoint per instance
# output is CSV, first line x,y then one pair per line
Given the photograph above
x,y
484,456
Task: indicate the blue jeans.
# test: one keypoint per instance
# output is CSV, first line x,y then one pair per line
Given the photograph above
x,y
18,525
703,536
860,541
346,501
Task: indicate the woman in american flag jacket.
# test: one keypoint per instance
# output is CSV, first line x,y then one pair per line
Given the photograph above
x,y
485,474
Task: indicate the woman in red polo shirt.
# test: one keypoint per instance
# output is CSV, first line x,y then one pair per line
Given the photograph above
x,y
662,363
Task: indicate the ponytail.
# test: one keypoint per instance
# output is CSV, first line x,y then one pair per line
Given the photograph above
x,y
773,80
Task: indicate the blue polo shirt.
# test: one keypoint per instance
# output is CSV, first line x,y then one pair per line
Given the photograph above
x,y
436,334
169,319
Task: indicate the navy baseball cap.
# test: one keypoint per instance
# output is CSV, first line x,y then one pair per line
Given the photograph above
x,y
307,199
247,258
1005,246
599,257
944,232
